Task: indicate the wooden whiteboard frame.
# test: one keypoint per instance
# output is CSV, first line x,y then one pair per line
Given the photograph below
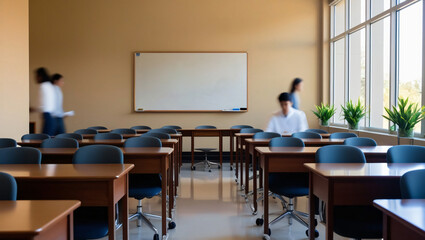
x,y
186,111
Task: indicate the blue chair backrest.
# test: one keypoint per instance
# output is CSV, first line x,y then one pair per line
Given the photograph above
x,y
21,155
406,154
146,141
75,136
360,141
86,131
175,127
206,127
60,143
8,187
164,130
141,127
307,135
35,136
107,136
411,184
124,131
7,142
98,154
241,126
316,130
251,130
157,135
98,128
286,142
342,135
266,135
340,154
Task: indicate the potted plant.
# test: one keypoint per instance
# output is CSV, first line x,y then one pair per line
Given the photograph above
x,y
406,115
353,113
324,113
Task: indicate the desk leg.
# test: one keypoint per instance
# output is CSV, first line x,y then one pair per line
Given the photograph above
x,y
192,143
220,147
164,196
241,158
124,211
237,159
231,150
176,170
111,213
246,170
330,213
70,226
312,207
254,182
266,198
171,192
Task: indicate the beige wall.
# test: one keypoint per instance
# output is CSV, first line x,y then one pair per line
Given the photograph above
x,y
14,54
91,44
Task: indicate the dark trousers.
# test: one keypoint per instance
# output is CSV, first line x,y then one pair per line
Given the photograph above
x,y
59,125
52,125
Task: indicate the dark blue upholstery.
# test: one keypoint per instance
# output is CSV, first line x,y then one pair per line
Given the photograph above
x,y
7,142
21,155
406,154
157,135
98,128
286,142
307,135
411,184
351,221
35,136
240,126
107,136
143,142
86,131
342,135
92,222
251,130
266,135
141,127
75,136
316,130
8,187
60,143
206,127
124,131
360,142
175,127
164,130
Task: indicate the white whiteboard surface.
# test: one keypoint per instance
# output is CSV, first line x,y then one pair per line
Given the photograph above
x,y
177,81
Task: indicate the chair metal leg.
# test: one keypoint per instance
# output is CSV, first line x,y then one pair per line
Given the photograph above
x,y
141,216
207,164
292,214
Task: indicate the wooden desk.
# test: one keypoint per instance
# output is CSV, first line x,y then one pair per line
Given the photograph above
x,y
403,218
240,146
37,219
346,184
93,184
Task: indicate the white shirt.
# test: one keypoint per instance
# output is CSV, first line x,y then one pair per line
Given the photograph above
x,y
47,97
295,121
58,106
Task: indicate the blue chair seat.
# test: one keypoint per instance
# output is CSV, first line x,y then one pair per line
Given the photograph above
x,y
90,223
144,185
366,218
290,185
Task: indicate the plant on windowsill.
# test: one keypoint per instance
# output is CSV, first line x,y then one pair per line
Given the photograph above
x,y
353,113
406,115
324,113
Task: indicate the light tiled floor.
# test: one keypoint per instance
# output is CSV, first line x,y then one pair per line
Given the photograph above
x,y
210,207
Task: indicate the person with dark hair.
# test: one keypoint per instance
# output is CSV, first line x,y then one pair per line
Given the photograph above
x,y
46,99
296,87
288,120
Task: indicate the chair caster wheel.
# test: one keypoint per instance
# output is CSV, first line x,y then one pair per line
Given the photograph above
x,y
209,170
192,168
218,166
316,233
171,225
267,236
259,221
231,168
156,237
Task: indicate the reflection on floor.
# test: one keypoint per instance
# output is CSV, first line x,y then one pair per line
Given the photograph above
x,y
210,207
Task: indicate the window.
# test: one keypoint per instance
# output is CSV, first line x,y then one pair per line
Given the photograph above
x,y
339,18
379,6
357,12
338,75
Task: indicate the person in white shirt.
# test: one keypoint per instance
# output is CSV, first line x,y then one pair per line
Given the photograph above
x,y
46,100
288,120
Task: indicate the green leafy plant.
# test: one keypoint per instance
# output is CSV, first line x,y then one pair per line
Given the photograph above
x,y
406,115
353,113
324,112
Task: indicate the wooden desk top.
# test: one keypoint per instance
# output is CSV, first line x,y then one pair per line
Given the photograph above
x,y
32,217
306,141
126,151
92,141
313,150
66,171
335,170
408,211
324,135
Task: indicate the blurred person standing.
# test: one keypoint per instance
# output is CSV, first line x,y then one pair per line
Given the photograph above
x,y
296,88
46,100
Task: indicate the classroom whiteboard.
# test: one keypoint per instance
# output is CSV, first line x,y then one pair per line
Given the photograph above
x,y
190,82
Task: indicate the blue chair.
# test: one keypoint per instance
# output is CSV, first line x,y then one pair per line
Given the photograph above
x,y
175,127
164,130
124,131
206,127
21,155
411,184
86,131
316,130
35,136
207,163
351,221
139,127
360,142
266,135
286,142
342,135
60,143
251,130
145,185
8,187
240,126
108,136
307,135
406,154
157,135
7,142
75,136
92,222
98,128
